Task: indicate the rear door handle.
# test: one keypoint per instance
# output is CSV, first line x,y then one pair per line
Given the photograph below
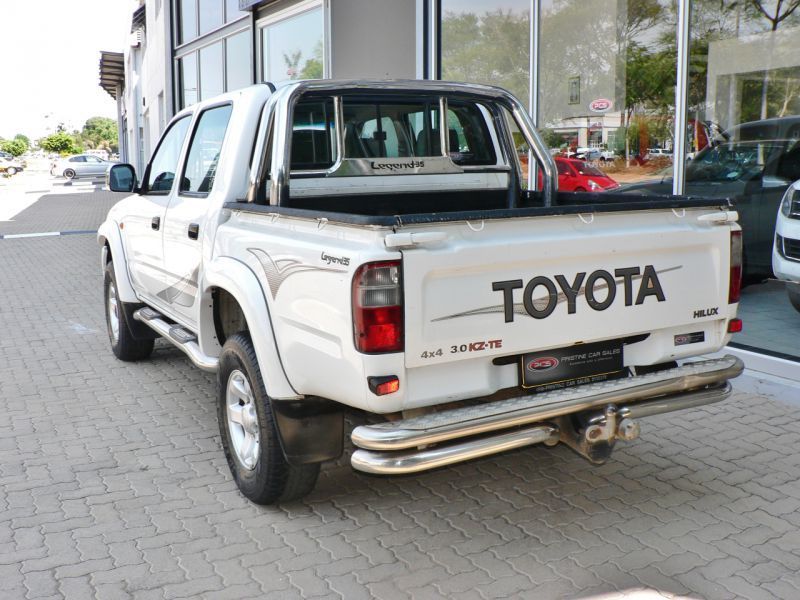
x,y
194,230
156,223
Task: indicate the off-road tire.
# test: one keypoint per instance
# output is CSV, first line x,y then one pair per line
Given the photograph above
x,y
272,479
125,346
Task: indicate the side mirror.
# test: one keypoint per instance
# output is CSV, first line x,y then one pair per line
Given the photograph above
x,y
121,178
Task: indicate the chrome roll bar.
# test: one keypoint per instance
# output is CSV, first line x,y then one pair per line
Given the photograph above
x,y
278,114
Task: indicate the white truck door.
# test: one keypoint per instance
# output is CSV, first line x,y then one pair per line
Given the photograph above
x,y
186,217
142,228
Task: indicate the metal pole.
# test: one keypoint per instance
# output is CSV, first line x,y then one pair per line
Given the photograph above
x,y
681,99
533,92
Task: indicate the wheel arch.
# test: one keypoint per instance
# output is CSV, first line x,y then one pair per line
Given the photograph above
x,y
233,295
109,239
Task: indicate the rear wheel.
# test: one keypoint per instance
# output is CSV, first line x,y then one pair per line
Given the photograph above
x,y
123,344
249,432
11,170
794,295
69,173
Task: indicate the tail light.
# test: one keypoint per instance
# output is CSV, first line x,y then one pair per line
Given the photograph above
x,y
735,286
378,307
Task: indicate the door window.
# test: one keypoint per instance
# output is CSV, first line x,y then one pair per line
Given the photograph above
x,y
165,161
201,163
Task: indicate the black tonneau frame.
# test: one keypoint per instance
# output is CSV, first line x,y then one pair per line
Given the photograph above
x,y
567,203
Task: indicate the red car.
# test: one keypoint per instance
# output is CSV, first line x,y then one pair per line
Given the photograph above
x,y
576,176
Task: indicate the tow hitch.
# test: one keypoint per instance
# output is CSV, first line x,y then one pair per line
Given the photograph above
x,y
593,435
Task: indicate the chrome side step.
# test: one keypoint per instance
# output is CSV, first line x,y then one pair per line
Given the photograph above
x,y
178,337
525,410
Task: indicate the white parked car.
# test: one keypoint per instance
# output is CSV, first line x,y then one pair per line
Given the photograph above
x,y
786,251
80,165
658,153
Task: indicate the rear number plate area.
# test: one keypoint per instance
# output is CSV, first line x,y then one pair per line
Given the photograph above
x,y
575,365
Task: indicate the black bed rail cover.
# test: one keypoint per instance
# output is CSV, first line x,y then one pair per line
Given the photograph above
x,y
569,203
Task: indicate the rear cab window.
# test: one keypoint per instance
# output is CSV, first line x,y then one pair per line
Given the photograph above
x,y
388,128
382,153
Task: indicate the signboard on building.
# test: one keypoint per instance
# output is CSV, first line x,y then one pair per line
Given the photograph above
x,y
601,105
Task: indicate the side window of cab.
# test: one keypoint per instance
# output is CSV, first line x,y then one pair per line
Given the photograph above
x,y
204,151
160,173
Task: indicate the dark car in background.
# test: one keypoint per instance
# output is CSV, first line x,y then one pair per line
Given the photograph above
x,y
752,164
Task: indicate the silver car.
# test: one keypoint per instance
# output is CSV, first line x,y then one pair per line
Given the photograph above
x,y
80,165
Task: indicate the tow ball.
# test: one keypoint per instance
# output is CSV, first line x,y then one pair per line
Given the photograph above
x,y
593,435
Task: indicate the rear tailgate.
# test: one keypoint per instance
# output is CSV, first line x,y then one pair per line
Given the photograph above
x,y
510,286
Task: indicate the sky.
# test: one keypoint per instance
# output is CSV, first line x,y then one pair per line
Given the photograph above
x,y
51,62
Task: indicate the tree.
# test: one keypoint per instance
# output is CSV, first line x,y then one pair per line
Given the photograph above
x,y
15,147
783,10
24,139
60,142
99,132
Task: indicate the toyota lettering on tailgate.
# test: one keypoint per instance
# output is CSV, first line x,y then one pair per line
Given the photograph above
x,y
598,287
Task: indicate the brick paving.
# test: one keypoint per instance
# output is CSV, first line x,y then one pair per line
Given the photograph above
x,y
113,484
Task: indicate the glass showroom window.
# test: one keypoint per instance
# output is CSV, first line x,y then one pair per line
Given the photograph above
x,y
292,44
188,77
219,67
743,140
238,57
188,20
210,15
211,71
488,42
198,17
607,84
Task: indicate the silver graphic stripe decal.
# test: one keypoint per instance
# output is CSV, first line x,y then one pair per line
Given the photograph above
x,y
279,270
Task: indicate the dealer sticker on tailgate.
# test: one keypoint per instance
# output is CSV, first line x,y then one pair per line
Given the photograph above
x,y
576,365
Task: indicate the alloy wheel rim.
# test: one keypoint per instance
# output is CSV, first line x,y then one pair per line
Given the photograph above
x,y
113,312
243,425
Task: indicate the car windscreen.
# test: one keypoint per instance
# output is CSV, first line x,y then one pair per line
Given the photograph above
x,y
735,160
586,169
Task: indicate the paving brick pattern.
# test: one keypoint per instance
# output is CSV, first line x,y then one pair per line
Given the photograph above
x,y
62,212
113,486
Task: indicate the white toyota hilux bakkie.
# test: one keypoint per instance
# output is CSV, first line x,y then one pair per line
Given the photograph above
x,y
330,246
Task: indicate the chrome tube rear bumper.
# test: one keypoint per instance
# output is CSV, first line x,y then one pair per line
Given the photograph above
x,y
400,447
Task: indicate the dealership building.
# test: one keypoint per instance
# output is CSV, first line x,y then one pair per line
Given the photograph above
x,y
646,80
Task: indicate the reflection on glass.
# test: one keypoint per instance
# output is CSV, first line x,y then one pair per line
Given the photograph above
x,y
607,86
211,71
487,42
188,69
237,61
188,16
744,135
210,15
292,48
232,11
